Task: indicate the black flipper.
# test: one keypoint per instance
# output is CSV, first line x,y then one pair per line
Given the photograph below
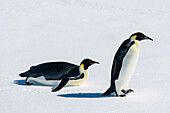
x,y
81,76
61,85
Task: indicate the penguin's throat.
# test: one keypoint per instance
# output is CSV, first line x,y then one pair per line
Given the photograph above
x,y
133,38
84,67
137,42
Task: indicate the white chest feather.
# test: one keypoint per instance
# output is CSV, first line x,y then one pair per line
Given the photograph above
x,y
128,67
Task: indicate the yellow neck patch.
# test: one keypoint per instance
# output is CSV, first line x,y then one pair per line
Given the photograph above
x,y
135,36
82,65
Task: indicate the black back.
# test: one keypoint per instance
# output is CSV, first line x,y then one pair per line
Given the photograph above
x,y
50,70
118,59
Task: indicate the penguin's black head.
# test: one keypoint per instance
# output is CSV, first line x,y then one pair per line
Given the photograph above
x,y
87,62
140,36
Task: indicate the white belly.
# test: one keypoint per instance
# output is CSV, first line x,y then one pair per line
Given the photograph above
x,y
42,81
128,67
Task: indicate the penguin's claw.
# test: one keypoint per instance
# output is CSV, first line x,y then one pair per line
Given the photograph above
x,y
130,90
122,95
127,91
29,83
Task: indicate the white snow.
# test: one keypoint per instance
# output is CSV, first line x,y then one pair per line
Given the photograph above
x,y
37,31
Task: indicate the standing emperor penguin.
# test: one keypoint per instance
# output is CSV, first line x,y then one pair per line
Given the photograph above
x,y
51,73
124,64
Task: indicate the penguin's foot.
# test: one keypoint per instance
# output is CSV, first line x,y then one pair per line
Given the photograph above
x,y
122,95
29,83
127,91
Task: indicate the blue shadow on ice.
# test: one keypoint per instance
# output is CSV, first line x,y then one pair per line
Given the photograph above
x,y
84,95
20,82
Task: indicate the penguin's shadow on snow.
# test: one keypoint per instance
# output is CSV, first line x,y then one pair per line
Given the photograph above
x,y
22,83
72,95
84,95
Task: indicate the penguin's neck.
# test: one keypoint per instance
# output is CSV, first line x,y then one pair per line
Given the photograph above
x,y
137,43
82,70
133,38
82,80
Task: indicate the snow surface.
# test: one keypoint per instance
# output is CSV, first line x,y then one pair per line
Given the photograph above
x,y
37,31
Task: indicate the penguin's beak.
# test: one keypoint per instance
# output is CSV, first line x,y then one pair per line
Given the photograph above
x,y
146,37
94,62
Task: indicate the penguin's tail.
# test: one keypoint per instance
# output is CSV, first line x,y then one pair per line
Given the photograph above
x,y
109,91
23,74
106,93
